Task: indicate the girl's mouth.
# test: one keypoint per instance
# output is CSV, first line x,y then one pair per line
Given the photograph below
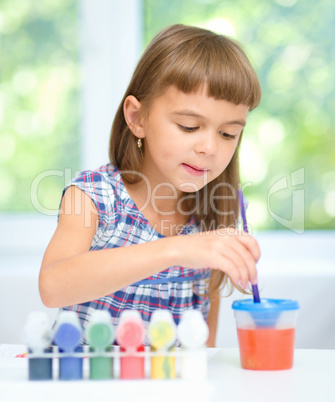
x,y
194,170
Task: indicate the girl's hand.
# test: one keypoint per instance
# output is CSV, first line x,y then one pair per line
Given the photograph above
x,y
230,251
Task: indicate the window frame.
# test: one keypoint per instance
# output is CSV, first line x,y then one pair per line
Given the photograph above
x,y
105,27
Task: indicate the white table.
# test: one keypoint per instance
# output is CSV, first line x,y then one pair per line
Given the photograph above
x,y
311,379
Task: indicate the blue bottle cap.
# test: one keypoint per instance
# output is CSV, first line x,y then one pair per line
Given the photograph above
x,y
67,331
67,337
266,305
267,312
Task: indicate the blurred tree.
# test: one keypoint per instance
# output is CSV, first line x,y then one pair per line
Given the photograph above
x,y
38,100
290,44
292,47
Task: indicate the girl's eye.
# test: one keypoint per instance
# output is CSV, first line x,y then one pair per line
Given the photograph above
x,y
188,129
228,136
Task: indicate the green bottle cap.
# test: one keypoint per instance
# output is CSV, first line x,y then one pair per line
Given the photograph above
x,y
99,331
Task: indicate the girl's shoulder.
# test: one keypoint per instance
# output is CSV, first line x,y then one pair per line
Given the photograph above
x,y
105,173
103,185
106,178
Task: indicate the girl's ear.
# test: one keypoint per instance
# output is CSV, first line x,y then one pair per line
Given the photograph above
x,y
131,111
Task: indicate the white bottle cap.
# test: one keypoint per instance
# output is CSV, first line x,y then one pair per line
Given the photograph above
x,y
192,330
133,315
37,331
162,315
68,317
101,317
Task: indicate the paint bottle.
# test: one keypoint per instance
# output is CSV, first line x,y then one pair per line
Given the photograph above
x,y
162,337
193,333
100,335
67,336
37,337
130,336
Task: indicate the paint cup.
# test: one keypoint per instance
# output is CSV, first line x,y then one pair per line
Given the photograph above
x,y
266,333
37,336
68,333
132,367
40,368
101,367
100,335
130,335
192,333
162,337
71,368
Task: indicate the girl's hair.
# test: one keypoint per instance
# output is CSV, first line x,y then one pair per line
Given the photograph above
x,y
188,58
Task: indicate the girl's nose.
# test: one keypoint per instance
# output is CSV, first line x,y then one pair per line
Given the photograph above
x,y
206,144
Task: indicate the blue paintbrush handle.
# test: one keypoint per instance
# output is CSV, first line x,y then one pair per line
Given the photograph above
x,y
245,228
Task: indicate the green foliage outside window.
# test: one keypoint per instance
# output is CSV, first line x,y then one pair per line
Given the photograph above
x,y
38,100
291,45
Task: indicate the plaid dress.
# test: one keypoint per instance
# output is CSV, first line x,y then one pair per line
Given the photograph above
x,y
121,224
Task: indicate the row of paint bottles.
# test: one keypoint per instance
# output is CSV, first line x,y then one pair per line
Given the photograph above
x,y
130,335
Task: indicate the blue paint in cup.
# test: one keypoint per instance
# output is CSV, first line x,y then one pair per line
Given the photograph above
x,y
71,368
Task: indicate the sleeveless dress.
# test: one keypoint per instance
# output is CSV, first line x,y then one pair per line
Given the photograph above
x,y
121,224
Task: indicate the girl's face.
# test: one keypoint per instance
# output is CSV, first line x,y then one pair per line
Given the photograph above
x,y
190,138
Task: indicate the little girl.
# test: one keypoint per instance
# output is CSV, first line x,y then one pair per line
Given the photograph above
x,y
155,227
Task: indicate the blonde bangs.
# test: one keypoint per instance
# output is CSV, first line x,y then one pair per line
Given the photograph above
x,y
214,60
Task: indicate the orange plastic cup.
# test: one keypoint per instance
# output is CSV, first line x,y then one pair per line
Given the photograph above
x,y
266,333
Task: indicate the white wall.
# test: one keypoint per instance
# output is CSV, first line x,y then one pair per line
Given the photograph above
x,y
20,262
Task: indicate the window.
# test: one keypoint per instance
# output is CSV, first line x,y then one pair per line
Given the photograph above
x,y
39,97
64,73
288,153
66,65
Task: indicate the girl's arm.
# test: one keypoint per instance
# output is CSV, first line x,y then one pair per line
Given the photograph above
x,y
71,274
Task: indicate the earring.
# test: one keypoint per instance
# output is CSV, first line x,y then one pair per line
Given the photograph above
x,y
139,144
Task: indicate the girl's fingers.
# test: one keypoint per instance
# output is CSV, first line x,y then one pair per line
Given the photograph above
x,y
235,253
248,260
230,269
247,253
249,242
